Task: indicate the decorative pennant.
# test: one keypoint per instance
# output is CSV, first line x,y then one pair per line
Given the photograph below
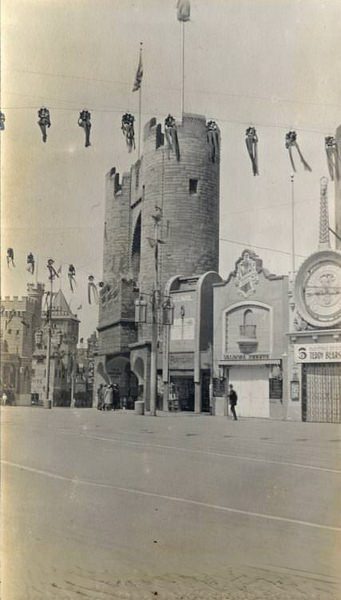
x,y
128,130
85,122
44,121
291,142
10,257
183,10
2,121
172,136
251,141
213,139
31,263
10,317
52,271
72,277
139,72
92,290
333,157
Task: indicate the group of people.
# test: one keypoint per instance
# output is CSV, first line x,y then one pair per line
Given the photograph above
x,y
7,397
108,397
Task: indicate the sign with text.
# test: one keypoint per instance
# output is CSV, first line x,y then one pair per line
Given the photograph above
x,y
242,357
317,353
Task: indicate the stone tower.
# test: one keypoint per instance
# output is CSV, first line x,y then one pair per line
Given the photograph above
x,y
338,194
186,191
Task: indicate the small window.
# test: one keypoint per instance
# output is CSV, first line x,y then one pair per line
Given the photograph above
x,y
18,331
9,331
193,186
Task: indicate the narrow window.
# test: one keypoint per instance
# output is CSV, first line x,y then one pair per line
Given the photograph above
x,y
193,186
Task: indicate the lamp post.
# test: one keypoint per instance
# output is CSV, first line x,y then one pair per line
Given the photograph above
x,y
157,217
48,402
52,274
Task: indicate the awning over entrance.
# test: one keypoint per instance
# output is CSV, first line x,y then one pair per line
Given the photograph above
x,y
250,363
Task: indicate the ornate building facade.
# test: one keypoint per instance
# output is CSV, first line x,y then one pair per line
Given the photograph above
x,y
250,343
64,338
338,192
315,331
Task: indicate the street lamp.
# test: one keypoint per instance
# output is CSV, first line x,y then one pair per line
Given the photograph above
x,y
52,274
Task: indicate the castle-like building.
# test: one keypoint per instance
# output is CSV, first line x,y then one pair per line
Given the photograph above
x,y
20,319
63,356
173,193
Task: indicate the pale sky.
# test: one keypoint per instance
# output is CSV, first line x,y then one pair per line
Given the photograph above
x,y
274,64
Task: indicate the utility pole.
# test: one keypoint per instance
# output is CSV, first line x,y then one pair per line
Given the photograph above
x,y
73,376
292,179
157,217
48,402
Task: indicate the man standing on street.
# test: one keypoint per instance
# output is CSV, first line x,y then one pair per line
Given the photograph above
x,y
233,401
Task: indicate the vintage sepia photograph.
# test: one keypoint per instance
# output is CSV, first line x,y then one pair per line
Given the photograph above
x,y
170,377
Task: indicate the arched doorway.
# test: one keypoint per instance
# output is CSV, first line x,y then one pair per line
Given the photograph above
x,y
119,372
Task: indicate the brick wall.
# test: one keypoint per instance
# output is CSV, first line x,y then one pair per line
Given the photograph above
x,y
190,224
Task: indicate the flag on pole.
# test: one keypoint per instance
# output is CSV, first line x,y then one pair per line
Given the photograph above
x,y
139,73
184,10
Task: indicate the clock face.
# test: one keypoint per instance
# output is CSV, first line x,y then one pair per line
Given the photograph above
x,y
322,292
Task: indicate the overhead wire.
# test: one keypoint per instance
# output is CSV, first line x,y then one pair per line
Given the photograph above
x,y
272,99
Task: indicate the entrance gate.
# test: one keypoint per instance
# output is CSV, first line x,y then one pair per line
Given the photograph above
x,y
321,393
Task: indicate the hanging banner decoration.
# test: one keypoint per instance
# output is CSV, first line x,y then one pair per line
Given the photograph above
x,y
251,140
85,122
44,121
213,139
10,257
291,142
92,290
72,277
31,263
333,157
52,271
128,130
172,136
139,73
2,121
183,10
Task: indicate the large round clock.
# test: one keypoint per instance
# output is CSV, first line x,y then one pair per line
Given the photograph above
x,y
318,289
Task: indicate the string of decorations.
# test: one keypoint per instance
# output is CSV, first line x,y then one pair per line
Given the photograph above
x,y
55,273
332,146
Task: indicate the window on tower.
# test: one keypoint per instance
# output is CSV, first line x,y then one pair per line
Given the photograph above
x,y
193,186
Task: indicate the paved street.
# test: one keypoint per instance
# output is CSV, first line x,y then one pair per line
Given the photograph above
x,y
111,505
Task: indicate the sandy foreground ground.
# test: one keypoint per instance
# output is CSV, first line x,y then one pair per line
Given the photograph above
x,y
239,583
111,506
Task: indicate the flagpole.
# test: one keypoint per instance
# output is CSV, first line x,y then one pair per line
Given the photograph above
x,y
183,68
140,110
292,179
140,124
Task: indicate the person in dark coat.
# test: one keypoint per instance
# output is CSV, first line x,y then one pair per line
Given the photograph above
x,y
233,398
